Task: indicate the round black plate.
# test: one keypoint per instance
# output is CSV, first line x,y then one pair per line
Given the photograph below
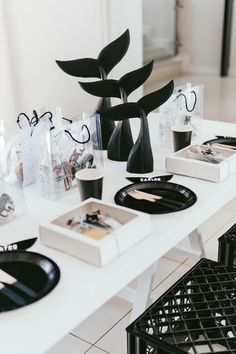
x,y
225,141
31,269
172,191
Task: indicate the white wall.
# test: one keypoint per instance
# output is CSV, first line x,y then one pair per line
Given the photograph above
x,y
159,29
123,14
7,95
160,16
200,25
40,31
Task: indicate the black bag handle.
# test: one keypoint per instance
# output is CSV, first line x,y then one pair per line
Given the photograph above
x,y
188,109
18,119
77,141
35,119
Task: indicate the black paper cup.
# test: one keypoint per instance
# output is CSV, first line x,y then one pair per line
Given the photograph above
x,y
181,136
90,182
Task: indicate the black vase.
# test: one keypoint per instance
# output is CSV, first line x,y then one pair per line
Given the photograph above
x,y
107,125
140,159
121,142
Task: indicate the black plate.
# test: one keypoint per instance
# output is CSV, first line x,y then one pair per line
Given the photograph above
x,y
225,141
173,191
37,272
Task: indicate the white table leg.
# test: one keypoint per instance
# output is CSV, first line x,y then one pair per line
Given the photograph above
x,y
143,292
195,239
141,297
197,248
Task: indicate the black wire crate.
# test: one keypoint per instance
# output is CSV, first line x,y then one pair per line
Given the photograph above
x,y
196,315
227,247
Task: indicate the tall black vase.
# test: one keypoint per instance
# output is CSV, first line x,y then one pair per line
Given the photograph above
x,y
121,142
107,125
140,159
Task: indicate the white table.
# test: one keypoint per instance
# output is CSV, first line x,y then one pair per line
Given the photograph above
x,y
83,288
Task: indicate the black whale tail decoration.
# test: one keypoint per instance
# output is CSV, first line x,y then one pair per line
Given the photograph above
x,y
140,159
118,139
121,140
105,62
100,68
112,88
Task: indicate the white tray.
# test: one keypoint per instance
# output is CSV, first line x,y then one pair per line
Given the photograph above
x,y
98,250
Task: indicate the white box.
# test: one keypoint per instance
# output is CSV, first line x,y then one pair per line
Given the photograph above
x,y
91,245
200,169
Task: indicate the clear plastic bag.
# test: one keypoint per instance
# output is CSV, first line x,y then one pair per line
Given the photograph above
x,y
12,202
66,149
29,131
184,107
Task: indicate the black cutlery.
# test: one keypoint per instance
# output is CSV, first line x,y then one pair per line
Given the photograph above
x,y
139,196
157,198
10,282
164,178
6,290
15,284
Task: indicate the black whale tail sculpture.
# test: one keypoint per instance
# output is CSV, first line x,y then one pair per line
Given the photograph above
x,y
121,140
109,56
140,159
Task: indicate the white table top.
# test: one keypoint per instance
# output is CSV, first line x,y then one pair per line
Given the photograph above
x,y
83,288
